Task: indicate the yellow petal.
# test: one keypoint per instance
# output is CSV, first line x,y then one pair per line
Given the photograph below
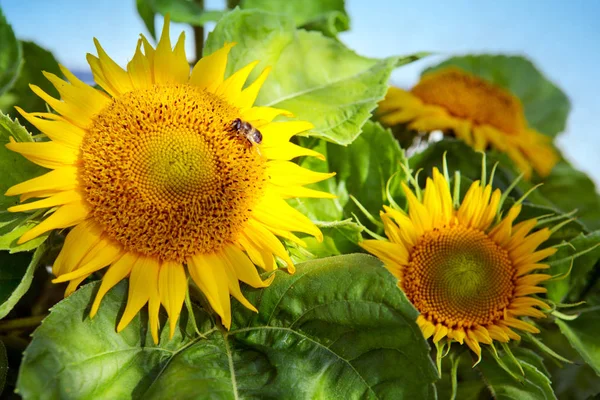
x,y
209,71
245,271
390,253
143,282
115,76
108,253
208,273
170,66
285,173
262,239
139,69
275,212
64,178
260,116
66,216
172,287
249,95
231,88
80,240
55,127
47,154
418,213
115,274
68,196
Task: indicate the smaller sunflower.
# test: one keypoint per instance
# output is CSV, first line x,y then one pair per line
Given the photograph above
x,y
474,110
470,273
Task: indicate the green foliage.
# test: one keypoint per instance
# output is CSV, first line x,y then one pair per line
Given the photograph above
x,y
315,77
15,169
583,252
582,333
328,16
35,60
16,274
10,55
363,170
186,11
533,385
582,194
546,106
338,328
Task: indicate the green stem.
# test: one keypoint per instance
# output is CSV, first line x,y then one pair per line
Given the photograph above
x,y
231,4
21,323
199,34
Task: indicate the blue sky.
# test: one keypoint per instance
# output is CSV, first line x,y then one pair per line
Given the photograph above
x,y
562,38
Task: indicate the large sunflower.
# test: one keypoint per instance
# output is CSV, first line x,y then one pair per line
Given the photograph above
x,y
474,110
468,272
166,171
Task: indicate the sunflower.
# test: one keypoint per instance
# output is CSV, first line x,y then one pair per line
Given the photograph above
x,y
467,271
474,110
164,171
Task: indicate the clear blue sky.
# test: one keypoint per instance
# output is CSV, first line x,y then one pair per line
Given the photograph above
x,y
561,37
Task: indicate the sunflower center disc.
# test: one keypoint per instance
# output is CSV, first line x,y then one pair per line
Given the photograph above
x,y
166,176
470,97
459,277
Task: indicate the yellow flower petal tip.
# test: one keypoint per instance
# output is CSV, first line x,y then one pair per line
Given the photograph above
x,y
457,265
474,110
184,179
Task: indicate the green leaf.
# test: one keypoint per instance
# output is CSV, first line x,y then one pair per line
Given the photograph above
x,y
315,77
185,11
582,333
338,328
328,16
35,60
546,106
363,170
16,274
581,190
533,386
11,55
146,13
339,237
14,169
584,253
365,167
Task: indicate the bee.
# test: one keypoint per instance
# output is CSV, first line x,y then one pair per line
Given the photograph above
x,y
245,129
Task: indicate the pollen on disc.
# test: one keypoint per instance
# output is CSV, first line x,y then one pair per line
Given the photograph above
x,y
166,176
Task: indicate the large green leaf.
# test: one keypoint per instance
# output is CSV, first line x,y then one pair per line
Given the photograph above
x,y
10,55
14,169
35,60
534,385
315,77
569,189
362,169
328,16
582,333
583,252
365,167
546,106
338,328
16,274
